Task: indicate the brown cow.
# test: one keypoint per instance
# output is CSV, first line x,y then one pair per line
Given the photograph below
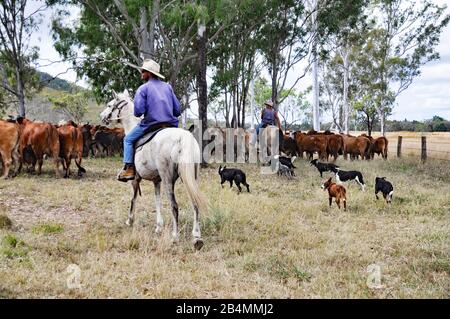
x,y
10,147
380,147
356,146
71,146
311,144
43,139
335,145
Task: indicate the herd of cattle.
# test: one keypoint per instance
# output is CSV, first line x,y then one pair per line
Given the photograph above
x,y
24,143
325,144
328,144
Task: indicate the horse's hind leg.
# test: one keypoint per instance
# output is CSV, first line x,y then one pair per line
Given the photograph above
x,y
135,185
198,242
170,188
159,218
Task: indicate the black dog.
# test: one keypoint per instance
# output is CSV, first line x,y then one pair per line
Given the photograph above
x,y
323,167
233,174
345,176
384,186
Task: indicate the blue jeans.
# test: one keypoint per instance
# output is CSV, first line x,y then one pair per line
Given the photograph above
x,y
128,143
255,136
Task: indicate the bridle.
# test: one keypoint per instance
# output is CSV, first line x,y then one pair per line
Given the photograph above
x,y
117,106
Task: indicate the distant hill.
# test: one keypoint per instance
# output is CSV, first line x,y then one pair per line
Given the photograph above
x,y
57,83
38,106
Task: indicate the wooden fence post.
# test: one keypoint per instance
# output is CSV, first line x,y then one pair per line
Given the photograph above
x,y
424,149
399,146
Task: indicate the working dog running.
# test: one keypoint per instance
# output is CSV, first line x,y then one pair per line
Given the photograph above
x,y
233,174
323,167
336,191
385,187
345,176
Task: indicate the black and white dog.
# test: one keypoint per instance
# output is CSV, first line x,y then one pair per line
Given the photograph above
x,y
286,161
323,167
233,174
385,187
345,176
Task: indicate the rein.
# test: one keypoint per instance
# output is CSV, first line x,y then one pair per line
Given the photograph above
x,y
119,106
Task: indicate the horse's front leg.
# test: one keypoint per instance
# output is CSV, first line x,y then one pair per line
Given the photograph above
x,y
159,218
135,185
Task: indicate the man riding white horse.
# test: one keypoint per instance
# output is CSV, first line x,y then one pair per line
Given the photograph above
x,y
269,116
171,154
156,101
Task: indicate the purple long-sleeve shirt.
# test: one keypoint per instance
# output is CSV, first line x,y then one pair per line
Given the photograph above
x,y
157,102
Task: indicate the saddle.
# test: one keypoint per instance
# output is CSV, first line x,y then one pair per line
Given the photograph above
x,y
147,137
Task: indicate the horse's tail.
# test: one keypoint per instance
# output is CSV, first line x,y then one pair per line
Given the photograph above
x,y
188,169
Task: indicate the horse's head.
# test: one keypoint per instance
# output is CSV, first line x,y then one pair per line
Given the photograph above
x,y
116,109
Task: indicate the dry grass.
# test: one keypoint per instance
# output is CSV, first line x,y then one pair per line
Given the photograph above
x,y
280,241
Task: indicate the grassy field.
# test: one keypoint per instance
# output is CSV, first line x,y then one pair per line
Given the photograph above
x,y
281,240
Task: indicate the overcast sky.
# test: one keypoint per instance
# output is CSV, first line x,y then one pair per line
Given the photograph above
x,y
428,95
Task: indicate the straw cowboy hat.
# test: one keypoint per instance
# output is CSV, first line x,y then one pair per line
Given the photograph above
x,y
152,67
269,103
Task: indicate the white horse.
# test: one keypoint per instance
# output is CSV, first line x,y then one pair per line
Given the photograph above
x,y
172,153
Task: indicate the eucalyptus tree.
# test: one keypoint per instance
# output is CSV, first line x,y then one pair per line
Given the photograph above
x,y
234,60
112,38
341,26
286,39
17,23
405,35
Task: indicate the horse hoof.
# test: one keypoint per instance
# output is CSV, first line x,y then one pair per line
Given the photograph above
x,y
198,243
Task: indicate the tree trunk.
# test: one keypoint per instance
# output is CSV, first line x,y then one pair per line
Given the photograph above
x,y
274,80
227,110
345,104
316,111
252,98
202,85
20,93
382,123
369,125
144,45
151,34
233,119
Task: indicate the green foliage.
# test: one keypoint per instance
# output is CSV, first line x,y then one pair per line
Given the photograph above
x,y
48,228
5,222
13,247
386,48
72,104
436,124
17,77
55,83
